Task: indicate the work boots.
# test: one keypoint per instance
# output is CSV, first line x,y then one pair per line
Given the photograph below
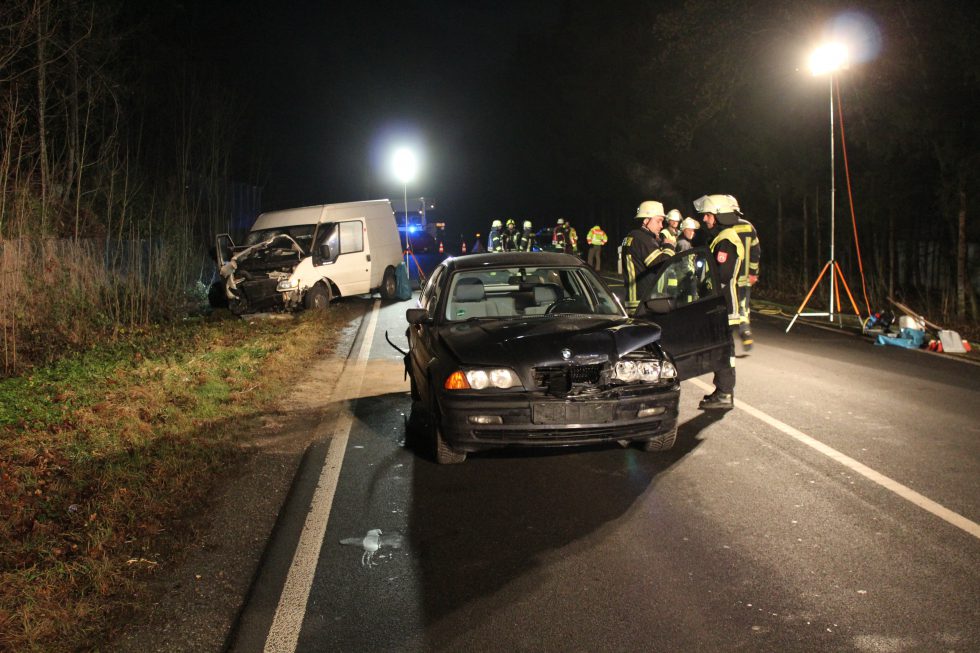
x,y
718,401
746,339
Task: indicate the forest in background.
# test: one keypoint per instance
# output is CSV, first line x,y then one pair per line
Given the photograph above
x,y
123,138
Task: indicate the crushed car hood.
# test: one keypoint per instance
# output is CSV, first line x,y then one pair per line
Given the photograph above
x,y
540,341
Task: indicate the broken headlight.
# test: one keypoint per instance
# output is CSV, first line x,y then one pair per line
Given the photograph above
x,y
287,284
647,370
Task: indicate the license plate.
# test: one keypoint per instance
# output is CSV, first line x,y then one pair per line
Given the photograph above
x,y
593,412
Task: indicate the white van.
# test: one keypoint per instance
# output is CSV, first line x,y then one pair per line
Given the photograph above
x,y
305,257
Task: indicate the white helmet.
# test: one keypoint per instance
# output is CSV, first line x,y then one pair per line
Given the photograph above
x,y
690,223
717,204
674,216
561,220
649,209
496,224
527,224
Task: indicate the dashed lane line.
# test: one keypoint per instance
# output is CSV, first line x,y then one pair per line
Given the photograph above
x,y
288,620
890,484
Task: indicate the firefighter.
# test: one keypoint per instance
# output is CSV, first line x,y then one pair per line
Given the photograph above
x,y
559,237
720,214
527,243
494,241
747,276
686,239
509,236
644,251
673,222
596,238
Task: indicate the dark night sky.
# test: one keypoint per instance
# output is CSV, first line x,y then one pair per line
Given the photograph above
x,y
331,89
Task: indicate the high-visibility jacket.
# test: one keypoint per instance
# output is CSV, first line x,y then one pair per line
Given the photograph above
x,y
753,251
728,252
596,236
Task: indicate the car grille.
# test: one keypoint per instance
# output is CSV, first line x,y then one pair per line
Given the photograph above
x,y
574,374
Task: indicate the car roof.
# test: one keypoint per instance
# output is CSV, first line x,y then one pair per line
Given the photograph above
x,y
509,259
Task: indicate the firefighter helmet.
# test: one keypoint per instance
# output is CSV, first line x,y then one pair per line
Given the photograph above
x,y
561,220
496,224
673,215
649,209
527,224
724,207
690,223
511,223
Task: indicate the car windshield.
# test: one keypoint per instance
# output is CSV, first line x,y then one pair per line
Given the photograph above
x,y
302,234
527,292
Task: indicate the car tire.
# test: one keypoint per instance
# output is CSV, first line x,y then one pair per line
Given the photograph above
x,y
442,452
389,284
662,442
318,297
216,295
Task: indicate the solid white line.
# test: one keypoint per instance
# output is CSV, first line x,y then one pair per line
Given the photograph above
x,y
284,632
903,491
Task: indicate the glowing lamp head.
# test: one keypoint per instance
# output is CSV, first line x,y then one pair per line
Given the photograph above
x,y
828,58
404,164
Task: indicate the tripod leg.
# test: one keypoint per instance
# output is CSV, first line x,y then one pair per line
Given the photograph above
x,y
808,295
849,296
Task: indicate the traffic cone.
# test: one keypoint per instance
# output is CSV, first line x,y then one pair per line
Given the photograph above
x,y
441,250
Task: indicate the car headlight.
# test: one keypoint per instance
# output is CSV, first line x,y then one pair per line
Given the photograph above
x,y
481,379
287,284
646,370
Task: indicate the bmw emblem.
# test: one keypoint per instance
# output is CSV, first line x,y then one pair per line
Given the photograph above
x,y
566,353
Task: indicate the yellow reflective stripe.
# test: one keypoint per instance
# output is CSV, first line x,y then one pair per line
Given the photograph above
x,y
653,257
631,281
671,282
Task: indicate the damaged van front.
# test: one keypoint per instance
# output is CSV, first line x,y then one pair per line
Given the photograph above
x,y
303,258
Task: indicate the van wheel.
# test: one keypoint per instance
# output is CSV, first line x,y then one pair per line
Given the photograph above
x,y
389,284
318,298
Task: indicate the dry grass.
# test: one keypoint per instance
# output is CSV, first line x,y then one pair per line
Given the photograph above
x,y
102,452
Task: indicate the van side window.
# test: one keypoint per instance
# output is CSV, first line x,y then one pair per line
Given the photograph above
x,y
351,237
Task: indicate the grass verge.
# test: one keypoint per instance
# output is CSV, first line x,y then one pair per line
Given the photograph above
x,y
100,453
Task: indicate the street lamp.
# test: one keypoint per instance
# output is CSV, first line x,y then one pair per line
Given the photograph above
x,y
827,60
405,166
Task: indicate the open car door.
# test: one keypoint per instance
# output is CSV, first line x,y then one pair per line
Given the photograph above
x,y
224,248
685,300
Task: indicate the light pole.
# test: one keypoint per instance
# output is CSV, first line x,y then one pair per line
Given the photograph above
x,y
405,166
827,60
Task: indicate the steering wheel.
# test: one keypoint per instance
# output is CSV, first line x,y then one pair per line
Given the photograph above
x,y
565,303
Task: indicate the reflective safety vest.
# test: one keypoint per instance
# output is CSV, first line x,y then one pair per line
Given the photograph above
x,y
730,283
596,236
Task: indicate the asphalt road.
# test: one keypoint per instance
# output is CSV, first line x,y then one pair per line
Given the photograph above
x,y
835,508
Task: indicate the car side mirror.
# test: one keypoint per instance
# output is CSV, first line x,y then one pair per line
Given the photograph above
x,y
416,316
660,305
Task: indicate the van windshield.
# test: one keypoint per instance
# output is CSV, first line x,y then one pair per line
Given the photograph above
x,y
302,234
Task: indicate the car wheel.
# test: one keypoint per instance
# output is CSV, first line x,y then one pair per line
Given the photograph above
x,y
662,442
317,298
443,453
389,284
216,295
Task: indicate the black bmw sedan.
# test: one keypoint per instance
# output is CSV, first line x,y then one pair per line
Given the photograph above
x,y
533,349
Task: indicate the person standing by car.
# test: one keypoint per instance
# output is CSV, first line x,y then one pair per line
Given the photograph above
x,y
596,238
686,239
509,236
748,274
644,249
722,213
495,240
560,239
527,243
673,223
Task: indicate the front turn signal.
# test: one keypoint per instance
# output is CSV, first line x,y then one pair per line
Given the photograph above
x,y
456,381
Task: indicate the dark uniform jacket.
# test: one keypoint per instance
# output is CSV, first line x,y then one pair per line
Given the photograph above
x,y
642,254
728,252
753,251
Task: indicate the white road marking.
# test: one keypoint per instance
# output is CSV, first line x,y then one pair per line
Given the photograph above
x,y
903,491
284,632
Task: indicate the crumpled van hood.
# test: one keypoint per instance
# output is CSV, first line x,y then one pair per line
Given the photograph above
x,y
539,341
